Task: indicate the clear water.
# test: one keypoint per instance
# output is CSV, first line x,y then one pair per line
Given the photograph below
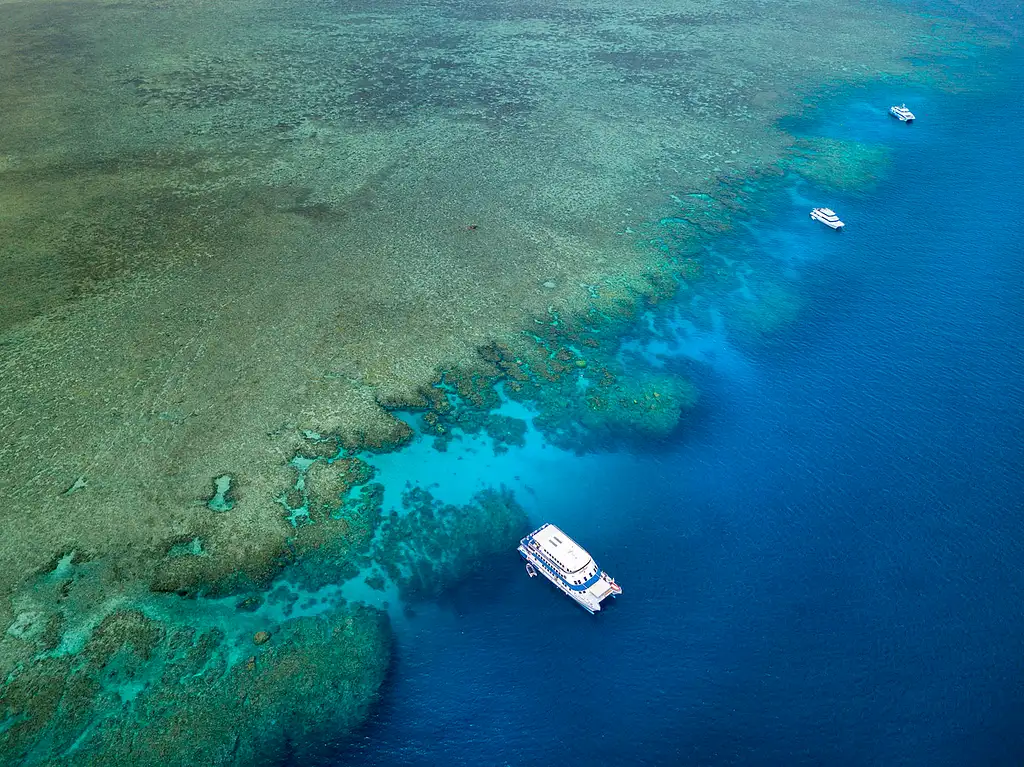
x,y
826,565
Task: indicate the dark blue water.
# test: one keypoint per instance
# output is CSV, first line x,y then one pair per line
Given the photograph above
x,y
828,567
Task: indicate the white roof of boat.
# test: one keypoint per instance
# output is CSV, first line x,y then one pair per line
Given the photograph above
x,y
565,550
827,211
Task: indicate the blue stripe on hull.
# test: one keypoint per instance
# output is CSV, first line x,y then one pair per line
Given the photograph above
x,y
546,569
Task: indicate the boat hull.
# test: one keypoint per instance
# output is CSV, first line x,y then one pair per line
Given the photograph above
x,y
835,226
542,570
585,599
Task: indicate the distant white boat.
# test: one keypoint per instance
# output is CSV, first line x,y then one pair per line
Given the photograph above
x,y
828,217
902,114
563,562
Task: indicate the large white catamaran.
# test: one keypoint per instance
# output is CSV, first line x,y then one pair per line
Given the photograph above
x,y
562,561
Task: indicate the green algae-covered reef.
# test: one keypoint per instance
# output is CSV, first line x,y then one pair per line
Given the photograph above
x,y
142,693
236,237
267,676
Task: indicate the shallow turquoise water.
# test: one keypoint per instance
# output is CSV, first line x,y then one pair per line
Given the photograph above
x,y
824,567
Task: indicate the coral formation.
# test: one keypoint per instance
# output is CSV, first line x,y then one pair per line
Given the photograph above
x,y
506,432
334,547
136,688
844,165
431,547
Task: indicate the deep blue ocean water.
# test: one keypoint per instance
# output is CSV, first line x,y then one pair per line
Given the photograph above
x,y
827,565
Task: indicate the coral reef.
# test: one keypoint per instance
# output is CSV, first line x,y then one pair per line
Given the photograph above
x,y
334,547
842,165
453,415
506,432
430,547
140,694
600,410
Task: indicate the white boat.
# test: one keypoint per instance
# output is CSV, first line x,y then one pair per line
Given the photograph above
x,y
828,217
563,562
902,114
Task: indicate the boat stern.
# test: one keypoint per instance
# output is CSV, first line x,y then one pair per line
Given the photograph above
x,y
604,587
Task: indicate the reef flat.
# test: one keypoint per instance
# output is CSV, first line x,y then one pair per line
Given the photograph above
x,y
236,237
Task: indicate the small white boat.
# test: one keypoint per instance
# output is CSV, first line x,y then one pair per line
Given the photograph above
x,y
828,217
530,570
902,114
